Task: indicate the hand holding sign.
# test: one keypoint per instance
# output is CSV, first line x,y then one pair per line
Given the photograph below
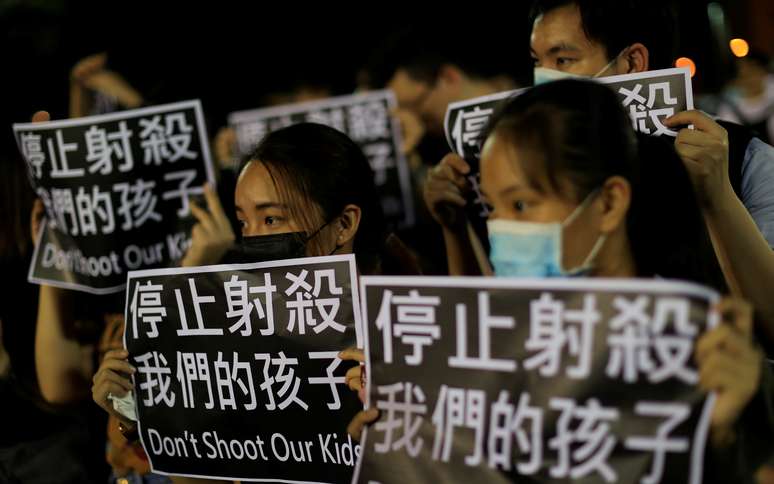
x,y
112,378
730,365
212,236
38,209
704,151
445,190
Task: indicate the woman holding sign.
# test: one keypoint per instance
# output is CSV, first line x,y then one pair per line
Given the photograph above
x,y
307,190
572,192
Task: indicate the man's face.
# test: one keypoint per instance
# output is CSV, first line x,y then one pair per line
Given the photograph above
x,y
558,42
427,102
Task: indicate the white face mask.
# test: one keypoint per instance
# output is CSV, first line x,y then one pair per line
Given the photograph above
x,y
544,74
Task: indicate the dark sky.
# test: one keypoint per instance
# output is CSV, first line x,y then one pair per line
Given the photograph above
x,y
230,54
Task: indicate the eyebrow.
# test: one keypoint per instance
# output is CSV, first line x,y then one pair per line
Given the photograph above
x,y
264,206
510,189
562,46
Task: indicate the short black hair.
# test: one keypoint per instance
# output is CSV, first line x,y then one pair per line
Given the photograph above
x,y
617,24
476,50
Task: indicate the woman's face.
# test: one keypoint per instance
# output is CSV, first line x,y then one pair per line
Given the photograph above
x,y
513,196
258,206
261,211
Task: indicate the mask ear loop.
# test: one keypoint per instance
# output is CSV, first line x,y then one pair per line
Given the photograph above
x,y
610,64
586,265
316,232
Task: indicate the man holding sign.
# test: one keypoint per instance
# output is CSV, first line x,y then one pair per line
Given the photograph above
x,y
732,172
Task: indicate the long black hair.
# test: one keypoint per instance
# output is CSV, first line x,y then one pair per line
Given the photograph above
x,y
585,137
322,170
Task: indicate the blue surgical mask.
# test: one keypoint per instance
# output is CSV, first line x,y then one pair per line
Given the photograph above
x,y
528,249
543,75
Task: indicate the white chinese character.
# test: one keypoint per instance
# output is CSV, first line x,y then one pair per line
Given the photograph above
x,y
280,122
468,127
584,447
641,108
155,379
661,443
674,352
286,376
301,313
64,206
184,190
507,424
333,118
166,143
197,300
192,367
51,212
478,201
379,158
102,148
250,134
239,305
629,339
329,379
93,205
486,323
146,304
550,336
62,168
32,149
459,407
407,415
226,375
415,323
368,121
138,203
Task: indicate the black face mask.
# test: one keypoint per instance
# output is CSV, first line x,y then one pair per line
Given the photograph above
x,y
263,248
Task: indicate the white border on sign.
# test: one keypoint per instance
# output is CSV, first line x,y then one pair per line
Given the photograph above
x,y
590,284
404,176
349,258
498,96
89,120
41,281
102,118
250,115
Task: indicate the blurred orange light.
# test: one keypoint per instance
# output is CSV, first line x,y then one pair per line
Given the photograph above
x,y
739,47
686,62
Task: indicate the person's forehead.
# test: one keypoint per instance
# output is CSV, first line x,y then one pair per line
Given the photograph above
x,y
255,180
559,27
405,87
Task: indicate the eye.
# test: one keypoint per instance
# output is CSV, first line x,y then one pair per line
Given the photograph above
x,y
564,61
520,205
271,220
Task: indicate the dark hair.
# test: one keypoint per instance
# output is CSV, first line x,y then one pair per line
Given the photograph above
x,y
16,199
422,53
323,166
617,24
584,137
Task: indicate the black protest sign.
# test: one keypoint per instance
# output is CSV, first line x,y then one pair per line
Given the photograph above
x,y
363,117
237,370
648,98
497,380
116,189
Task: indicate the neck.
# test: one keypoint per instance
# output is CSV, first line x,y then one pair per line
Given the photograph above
x,y
616,259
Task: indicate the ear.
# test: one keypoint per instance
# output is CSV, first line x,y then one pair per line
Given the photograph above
x,y
635,59
615,199
347,225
